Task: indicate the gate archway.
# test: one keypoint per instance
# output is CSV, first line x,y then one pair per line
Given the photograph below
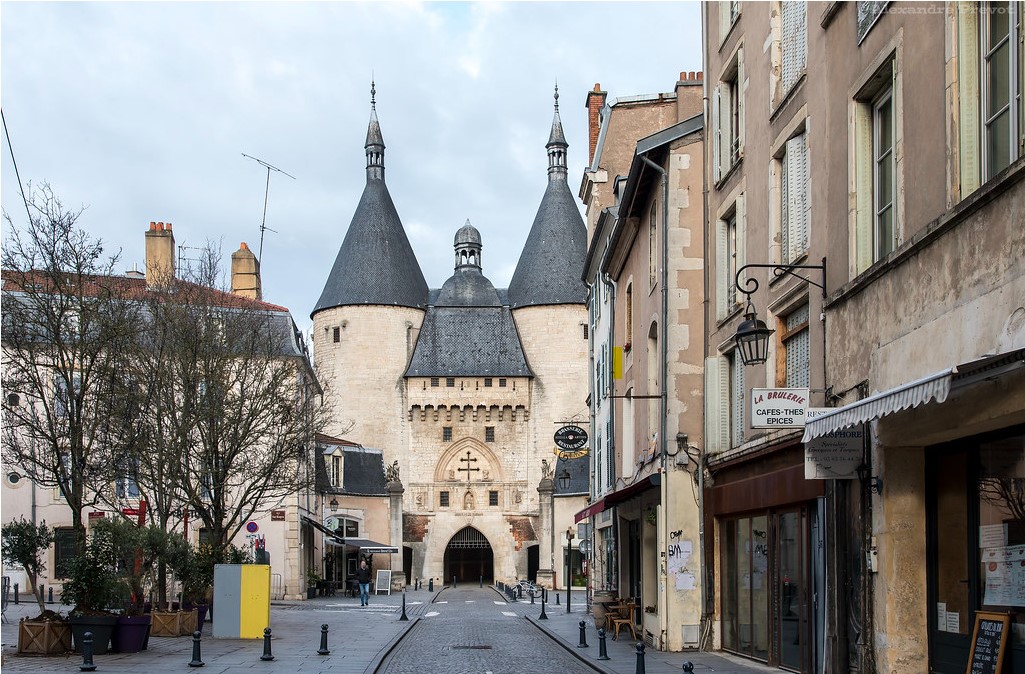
x,y
468,557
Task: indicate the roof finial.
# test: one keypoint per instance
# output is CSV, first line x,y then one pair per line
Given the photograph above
x,y
373,93
556,95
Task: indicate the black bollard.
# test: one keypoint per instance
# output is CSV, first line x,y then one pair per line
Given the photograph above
x,y
87,653
266,646
197,661
453,581
323,641
403,616
430,586
49,599
42,592
688,666
556,598
543,616
583,635
15,594
482,581
603,652
639,669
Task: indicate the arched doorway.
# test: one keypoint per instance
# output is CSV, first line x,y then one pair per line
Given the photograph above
x,y
469,557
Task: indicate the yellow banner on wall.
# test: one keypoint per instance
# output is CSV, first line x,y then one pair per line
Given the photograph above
x,y
617,362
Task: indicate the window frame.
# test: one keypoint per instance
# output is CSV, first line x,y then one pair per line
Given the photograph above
x,y
1015,102
446,434
786,335
489,434
883,245
444,500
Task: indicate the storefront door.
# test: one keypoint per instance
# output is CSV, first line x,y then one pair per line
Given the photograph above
x,y
767,588
976,544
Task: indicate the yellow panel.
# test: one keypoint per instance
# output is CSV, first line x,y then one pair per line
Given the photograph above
x,y
255,601
617,362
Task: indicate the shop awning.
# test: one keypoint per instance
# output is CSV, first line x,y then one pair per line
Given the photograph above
x,y
619,496
935,387
364,545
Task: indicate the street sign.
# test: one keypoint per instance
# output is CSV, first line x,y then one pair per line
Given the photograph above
x,y
252,527
585,546
571,437
331,523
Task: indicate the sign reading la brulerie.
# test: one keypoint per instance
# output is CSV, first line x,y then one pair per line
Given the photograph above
x,y
778,407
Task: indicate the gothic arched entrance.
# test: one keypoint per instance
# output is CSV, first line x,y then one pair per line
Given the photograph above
x,y
469,557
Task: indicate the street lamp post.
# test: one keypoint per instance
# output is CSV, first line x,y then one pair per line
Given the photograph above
x,y
569,562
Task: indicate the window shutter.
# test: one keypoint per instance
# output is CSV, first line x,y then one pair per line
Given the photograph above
x,y
740,98
724,19
864,215
716,132
738,406
788,47
725,129
968,96
717,404
722,269
804,217
796,198
741,240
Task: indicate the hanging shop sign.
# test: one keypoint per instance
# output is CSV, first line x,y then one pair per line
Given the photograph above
x,y
836,455
571,437
778,407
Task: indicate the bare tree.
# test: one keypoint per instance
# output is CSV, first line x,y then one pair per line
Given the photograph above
x,y
66,320
232,404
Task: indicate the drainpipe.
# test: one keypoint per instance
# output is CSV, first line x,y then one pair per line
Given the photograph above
x,y
613,291
664,402
707,590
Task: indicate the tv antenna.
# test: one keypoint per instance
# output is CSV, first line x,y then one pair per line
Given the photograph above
x,y
266,192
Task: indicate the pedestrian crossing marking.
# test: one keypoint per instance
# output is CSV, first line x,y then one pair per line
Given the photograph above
x,y
431,614
469,601
509,613
501,603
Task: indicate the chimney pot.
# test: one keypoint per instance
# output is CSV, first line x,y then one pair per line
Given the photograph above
x,y
244,246
160,226
597,86
700,75
152,225
169,226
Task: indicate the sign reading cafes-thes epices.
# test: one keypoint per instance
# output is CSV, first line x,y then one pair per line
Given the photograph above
x,y
778,407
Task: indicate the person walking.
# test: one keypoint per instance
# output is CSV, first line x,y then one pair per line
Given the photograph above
x,y
363,578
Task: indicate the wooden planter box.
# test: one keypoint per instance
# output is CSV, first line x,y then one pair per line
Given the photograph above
x,y
44,638
166,624
189,622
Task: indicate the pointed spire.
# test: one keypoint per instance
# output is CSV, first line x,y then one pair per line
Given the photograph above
x,y
557,145
375,141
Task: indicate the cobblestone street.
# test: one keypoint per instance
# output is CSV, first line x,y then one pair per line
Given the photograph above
x,y
472,631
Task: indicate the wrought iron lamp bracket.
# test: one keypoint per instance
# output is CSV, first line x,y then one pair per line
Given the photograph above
x,y
749,286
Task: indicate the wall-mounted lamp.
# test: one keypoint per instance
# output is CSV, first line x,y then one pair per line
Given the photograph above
x,y
875,483
564,479
334,504
752,336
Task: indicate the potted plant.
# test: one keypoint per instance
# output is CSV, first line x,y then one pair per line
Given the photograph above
x,y
92,588
312,578
48,633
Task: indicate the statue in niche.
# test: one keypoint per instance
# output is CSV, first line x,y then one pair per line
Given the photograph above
x,y
392,471
468,501
420,500
546,469
518,496
486,474
451,474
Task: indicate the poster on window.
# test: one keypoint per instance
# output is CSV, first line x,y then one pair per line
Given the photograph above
x,y
1004,569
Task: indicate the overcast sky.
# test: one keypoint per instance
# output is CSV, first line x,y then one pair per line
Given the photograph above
x,y
141,111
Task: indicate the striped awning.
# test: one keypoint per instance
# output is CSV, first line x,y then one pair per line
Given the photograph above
x,y
935,387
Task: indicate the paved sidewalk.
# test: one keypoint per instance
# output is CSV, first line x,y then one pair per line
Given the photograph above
x,y
357,637
564,628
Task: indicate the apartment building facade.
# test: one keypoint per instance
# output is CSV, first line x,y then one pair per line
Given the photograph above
x,y
868,157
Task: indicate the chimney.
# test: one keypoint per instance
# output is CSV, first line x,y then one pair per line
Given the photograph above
x,y
595,102
245,273
688,94
159,255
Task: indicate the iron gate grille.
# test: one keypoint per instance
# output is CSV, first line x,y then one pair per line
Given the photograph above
x,y
469,537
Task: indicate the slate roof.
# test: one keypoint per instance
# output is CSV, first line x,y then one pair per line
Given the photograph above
x,y
362,469
552,262
375,264
579,475
468,341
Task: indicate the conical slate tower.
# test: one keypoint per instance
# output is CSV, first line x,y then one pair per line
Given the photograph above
x,y
375,264
551,264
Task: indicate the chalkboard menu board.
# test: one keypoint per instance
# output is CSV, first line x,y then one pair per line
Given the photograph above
x,y
383,583
989,641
